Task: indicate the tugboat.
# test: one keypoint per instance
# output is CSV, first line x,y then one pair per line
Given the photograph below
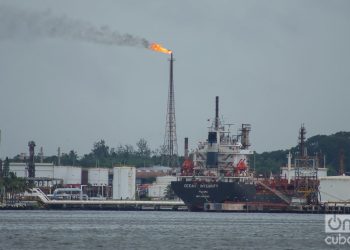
x,y
218,176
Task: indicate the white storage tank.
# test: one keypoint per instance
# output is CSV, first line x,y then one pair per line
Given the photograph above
x,y
69,175
165,180
334,189
98,176
44,170
124,183
19,169
157,190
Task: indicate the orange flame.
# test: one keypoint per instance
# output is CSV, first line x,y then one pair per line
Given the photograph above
x,y
158,47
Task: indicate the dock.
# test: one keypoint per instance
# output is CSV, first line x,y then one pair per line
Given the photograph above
x,y
107,204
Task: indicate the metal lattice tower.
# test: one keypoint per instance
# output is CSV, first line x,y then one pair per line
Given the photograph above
x,y
170,139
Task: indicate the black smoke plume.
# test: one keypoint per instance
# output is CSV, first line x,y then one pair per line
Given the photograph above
x,y
19,23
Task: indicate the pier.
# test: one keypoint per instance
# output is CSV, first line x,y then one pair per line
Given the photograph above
x,y
107,204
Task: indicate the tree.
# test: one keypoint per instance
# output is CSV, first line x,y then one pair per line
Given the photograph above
x,y
6,169
13,185
100,150
126,153
73,157
169,193
142,148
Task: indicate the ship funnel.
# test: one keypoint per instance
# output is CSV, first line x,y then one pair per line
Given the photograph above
x,y
245,130
186,147
216,112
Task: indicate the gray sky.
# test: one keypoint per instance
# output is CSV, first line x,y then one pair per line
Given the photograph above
x,y
274,64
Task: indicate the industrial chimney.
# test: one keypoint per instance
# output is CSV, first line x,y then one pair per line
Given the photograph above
x,y
186,148
31,161
216,113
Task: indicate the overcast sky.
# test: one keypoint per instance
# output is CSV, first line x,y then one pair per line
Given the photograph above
x,y
274,64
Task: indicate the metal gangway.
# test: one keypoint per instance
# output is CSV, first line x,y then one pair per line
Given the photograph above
x,y
40,194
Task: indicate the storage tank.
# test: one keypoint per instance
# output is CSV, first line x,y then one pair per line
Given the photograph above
x,y
98,176
157,190
19,169
165,180
124,183
334,189
44,170
69,175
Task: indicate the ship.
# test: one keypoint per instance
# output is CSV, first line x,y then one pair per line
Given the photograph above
x,y
218,175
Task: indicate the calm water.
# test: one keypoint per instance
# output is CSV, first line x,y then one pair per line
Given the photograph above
x,y
159,230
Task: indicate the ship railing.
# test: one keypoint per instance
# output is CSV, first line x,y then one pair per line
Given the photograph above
x,y
245,179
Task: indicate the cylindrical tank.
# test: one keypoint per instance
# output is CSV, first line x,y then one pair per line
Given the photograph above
x,y
165,180
156,190
98,176
124,183
69,175
44,170
334,189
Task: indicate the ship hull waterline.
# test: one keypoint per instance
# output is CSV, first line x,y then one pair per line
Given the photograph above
x,y
199,195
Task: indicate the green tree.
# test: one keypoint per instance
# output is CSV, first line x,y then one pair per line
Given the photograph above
x,y
13,185
100,150
169,193
142,148
73,157
6,169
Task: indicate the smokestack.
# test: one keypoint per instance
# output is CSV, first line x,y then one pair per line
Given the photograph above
x,y
289,157
59,156
302,138
216,112
186,148
41,155
31,162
